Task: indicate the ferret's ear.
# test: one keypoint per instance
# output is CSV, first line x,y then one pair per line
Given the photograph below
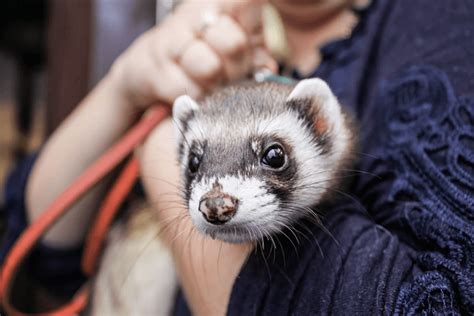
x,y
183,107
315,99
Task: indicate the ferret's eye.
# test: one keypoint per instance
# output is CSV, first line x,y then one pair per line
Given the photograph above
x,y
193,164
274,157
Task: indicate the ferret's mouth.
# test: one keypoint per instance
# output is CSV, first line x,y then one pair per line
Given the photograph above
x,y
232,233
233,208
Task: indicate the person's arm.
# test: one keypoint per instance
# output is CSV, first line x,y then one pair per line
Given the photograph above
x,y
162,64
96,123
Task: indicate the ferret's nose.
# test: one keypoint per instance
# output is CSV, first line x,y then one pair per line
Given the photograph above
x,y
218,209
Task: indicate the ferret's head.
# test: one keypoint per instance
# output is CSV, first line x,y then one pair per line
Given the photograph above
x,y
256,157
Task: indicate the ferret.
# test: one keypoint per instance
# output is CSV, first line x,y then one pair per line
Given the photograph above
x,y
254,159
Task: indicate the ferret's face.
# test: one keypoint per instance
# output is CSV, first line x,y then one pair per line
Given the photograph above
x,y
238,190
254,162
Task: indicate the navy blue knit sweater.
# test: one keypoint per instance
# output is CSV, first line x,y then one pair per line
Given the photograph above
x,y
401,236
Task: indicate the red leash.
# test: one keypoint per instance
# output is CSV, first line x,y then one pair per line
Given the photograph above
x,y
101,167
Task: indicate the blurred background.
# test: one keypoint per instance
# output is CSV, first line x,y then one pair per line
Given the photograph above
x,y
52,52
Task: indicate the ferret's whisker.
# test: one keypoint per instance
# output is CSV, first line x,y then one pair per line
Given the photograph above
x,y
179,187
140,253
266,263
176,124
364,154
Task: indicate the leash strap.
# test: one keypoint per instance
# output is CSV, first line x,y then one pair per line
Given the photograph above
x,y
110,206
101,167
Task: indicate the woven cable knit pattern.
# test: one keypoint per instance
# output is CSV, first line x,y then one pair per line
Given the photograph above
x,y
429,145
405,235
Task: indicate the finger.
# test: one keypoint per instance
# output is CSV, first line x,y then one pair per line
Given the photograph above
x,y
226,37
231,43
249,16
179,43
171,38
172,82
246,12
237,67
263,59
228,6
256,40
168,79
200,62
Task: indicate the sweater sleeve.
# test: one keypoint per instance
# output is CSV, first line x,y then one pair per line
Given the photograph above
x,y
58,270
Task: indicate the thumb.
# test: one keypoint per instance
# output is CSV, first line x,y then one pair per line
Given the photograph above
x,y
262,59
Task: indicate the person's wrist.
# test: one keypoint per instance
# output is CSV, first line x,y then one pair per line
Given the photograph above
x,y
113,83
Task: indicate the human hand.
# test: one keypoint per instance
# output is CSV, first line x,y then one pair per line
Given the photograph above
x,y
199,46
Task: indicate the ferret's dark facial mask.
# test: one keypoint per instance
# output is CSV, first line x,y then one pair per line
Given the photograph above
x,y
256,157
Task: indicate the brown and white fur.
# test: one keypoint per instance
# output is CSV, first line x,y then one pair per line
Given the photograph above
x,y
255,158
136,274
